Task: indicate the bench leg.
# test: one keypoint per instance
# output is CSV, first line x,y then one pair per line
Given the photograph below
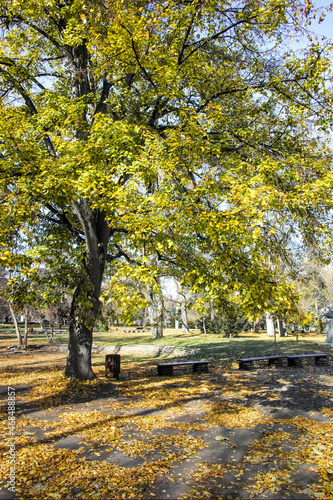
x,y
295,362
165,370
200,368
246,365
324,361
278,363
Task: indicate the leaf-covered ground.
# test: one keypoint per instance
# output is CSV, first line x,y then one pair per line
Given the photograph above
x,y
226,434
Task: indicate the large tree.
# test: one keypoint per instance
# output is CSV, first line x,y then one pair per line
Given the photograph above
x,y
173,124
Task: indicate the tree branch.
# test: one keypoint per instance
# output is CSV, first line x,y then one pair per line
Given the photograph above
x,y
202,43
63,220
100,108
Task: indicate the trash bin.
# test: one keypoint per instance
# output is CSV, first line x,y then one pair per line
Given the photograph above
x,y
112,365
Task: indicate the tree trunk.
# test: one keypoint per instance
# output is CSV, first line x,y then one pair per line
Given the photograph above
x,y
85,302
183,315
211,310
155,308
145,317
81,323
270,325
183,310
282,330
26,319
17,330
156,315
79,348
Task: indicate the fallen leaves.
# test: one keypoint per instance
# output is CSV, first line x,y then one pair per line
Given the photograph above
x,y
204,471
275,481
163,422
90,424
232,415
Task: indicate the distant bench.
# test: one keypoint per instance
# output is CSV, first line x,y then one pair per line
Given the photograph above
x,y
167,368
47,330
321,359
296,360
247,363
38,332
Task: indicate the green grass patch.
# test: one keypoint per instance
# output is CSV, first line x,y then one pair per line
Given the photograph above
x,y
210,346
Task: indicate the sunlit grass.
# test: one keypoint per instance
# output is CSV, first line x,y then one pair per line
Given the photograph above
x,y
210,346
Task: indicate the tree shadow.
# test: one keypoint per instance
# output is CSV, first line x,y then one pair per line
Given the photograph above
x,y
235,348
75,392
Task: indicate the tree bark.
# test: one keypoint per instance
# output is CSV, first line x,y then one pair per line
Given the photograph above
x,y
157,317
17,330
145,317
85,303
155,308
183,309
282,330
270,325
183,315
211,309
26,319
78,364
256,326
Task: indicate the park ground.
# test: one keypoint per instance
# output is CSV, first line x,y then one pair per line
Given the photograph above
x,y
225,434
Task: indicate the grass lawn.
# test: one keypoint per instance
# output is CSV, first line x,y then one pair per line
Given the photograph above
x,y
221,435
245,345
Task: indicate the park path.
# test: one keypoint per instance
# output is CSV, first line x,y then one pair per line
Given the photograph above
x,y
247,435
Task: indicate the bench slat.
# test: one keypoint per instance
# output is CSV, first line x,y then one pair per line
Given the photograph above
x,y
293,356
183,363
293,360
262,357
167,368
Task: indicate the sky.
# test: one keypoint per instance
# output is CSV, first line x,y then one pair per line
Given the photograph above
x,y
326,27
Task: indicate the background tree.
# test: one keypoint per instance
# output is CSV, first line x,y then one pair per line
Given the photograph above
x,y
136,285
4,307
228,321
123,294
182,299
35,293
312,282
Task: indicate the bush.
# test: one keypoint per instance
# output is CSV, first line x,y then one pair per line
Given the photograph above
x,y
228,323
319,326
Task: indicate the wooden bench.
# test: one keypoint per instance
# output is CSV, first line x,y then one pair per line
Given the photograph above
x,y
247,363
321,359
167,368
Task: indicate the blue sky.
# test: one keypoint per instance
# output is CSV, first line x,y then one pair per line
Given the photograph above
x,y
326,27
